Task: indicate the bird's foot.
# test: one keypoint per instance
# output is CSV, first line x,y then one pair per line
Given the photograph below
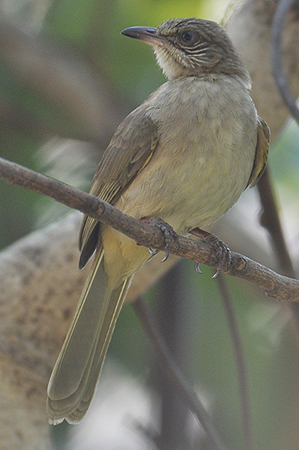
x,y
221,250
168,233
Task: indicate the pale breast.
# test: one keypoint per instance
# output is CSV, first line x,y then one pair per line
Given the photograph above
x,y
208,133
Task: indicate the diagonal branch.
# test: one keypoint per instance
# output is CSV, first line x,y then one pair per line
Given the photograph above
x,y
269,219
240,361
174,374
274,285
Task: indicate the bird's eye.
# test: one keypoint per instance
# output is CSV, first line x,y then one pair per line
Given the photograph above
x,y
188,37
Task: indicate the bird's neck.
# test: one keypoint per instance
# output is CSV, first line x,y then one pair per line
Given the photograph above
x,y
172,70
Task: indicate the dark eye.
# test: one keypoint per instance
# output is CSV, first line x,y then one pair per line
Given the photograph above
x,y
188,37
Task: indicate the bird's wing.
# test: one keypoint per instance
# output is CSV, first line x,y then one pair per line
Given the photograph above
x,y
130,149
261,152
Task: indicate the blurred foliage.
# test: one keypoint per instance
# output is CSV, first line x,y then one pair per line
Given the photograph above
x,y
87,31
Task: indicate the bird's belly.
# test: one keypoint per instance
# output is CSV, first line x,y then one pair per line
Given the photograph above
x,y
189,191
203,160
199,169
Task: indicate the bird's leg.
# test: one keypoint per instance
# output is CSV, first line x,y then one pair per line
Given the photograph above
x,y
168,232
220,249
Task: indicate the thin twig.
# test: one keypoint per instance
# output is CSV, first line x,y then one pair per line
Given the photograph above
x,y
174,374
274,285
240,362
282,9
172,322
270,221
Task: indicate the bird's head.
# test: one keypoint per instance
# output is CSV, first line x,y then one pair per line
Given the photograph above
x,y
192,47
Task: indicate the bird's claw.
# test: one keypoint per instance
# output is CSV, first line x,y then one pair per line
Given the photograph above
x,y
166,255
152,252
216,274
220,249
197,268
168,233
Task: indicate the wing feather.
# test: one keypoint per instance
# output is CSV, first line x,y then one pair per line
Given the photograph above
x,y
261,153
130,149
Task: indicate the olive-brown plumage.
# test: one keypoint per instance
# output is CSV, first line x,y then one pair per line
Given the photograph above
x,y
185,154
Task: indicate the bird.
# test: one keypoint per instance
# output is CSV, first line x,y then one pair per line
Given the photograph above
x,y
185,155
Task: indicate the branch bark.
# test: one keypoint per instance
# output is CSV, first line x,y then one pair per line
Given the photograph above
x,y
209,252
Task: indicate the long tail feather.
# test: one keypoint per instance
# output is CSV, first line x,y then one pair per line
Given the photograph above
x,y
76,372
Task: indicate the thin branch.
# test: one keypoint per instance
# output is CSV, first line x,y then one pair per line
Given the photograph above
x,y
274,285
172,321
270,221
240,361
282,10
174,374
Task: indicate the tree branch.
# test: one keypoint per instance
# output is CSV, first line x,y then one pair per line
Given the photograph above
x,y
174,374
273,284
283,8
240,362
252,24
37,296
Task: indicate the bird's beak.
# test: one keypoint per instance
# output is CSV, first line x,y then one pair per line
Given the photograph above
x,y
145,34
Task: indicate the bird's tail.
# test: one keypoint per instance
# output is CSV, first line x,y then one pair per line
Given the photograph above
x,y
77,369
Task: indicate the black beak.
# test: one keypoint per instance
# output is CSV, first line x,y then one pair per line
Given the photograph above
x,y
145,34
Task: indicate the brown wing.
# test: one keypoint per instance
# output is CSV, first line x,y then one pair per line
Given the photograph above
x,y
130,149
261,152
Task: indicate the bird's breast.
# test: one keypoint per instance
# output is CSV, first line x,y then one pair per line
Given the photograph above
x,y
205,154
